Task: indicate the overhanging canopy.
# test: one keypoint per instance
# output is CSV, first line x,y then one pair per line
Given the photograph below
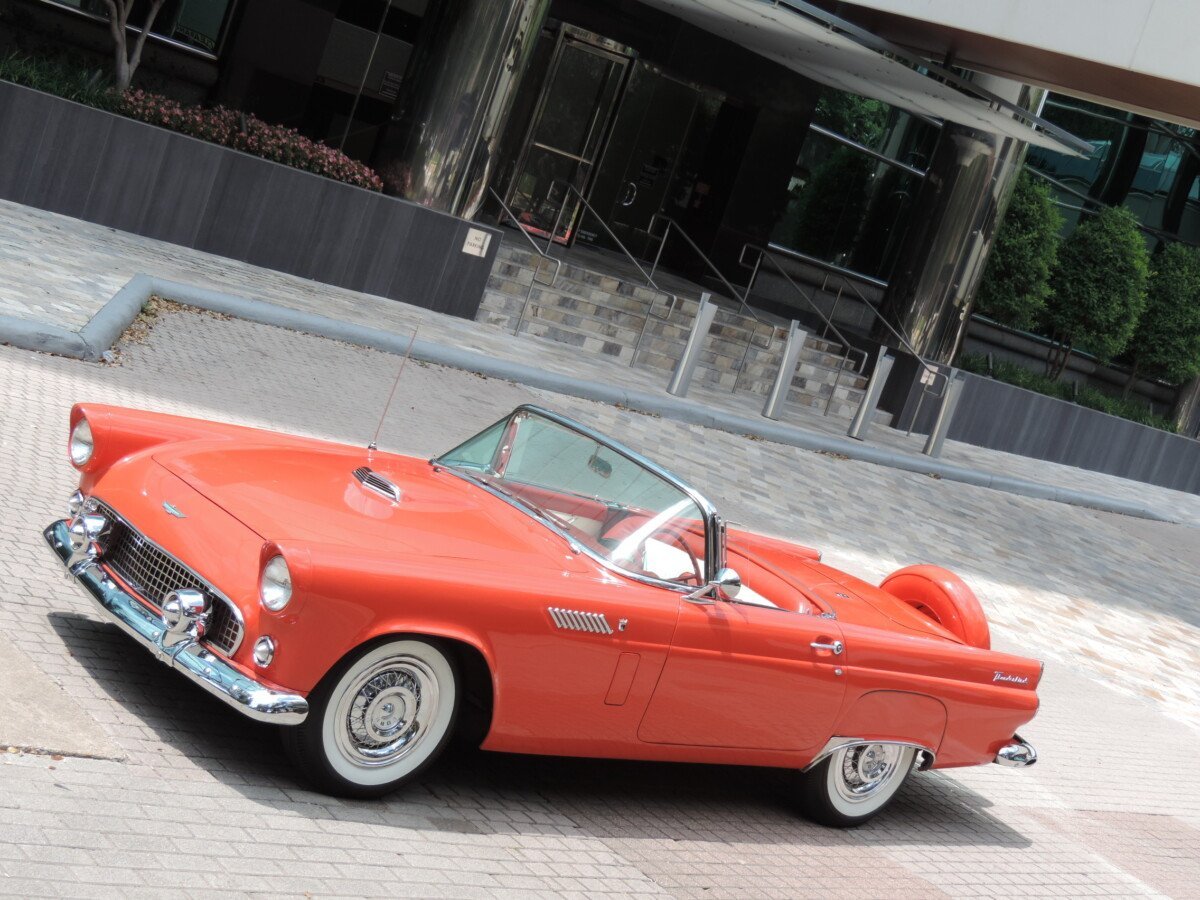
x,y
836,53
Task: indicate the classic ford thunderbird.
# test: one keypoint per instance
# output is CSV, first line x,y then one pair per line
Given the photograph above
x,y
553,588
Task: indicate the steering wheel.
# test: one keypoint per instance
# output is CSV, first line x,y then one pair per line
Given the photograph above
x,y
675,536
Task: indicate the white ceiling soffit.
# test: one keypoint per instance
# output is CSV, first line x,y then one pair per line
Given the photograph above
x,y
840,55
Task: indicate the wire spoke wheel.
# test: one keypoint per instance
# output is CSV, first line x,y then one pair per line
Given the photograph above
x,y
378,719
387,711
855,782
865,771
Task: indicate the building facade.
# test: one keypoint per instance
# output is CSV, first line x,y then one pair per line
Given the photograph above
x,y
824,129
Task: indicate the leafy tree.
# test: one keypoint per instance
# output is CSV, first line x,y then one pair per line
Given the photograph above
x,y
128,59
1016,280
858,118
1167,340
1099,287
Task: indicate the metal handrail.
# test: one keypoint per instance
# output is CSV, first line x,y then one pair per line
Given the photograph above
x,y
764,254
742,304
847,346
650,282
538,250
733,292
849,277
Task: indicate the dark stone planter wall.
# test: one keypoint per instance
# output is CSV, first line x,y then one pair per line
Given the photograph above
x,y
1004,417
82,162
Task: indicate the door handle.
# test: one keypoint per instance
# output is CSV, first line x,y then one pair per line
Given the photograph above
x,y
631,193
835,648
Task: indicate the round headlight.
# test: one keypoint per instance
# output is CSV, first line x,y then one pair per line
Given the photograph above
x,y
275,588
81,445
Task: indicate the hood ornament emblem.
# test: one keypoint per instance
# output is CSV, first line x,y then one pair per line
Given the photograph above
x,y
174,510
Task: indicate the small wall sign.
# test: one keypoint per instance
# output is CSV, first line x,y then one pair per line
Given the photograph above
x,y
477,242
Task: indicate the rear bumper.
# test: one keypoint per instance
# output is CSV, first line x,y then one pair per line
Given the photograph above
x,y
1017,754
199,664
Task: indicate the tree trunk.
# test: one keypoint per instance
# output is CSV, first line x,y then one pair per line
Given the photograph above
x,y
1130,382
1063,360
122,74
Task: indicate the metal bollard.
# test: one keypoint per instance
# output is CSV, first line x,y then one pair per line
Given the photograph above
x,y
866,409
937,436
695,343
773,408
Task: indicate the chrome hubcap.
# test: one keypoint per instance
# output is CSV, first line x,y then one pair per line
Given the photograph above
x,y
866,769
385,712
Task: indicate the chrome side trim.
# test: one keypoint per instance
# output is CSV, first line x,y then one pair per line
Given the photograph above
x,y
927,757
192,659
574,620
1017,755
373,481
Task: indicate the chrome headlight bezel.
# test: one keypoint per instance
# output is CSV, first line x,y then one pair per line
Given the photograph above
x,y
82,445
275,584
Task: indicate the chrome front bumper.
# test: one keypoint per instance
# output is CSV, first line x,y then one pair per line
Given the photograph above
x,y
1017,754
192,659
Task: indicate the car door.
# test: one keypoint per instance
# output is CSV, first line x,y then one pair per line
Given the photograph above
x,y
747,676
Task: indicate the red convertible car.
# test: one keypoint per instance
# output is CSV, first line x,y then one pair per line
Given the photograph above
x,y
577,598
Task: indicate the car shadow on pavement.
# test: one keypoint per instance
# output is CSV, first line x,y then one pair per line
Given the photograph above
x,y
475,792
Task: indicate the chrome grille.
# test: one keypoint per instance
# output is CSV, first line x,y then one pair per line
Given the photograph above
x,y
224,630
152,574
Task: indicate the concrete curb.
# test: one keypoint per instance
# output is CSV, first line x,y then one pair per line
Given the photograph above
x,y
108,324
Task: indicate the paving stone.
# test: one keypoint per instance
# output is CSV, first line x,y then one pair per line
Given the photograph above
x,y
1112,808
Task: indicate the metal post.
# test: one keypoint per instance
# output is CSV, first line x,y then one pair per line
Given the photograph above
x,y
705,314
866,409
773,408
937,437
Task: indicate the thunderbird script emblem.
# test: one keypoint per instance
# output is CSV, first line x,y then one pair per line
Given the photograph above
x,y
174,510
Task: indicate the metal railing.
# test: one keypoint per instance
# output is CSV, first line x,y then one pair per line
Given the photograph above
x,y
743,306
649,276
850,278
847,347
536,249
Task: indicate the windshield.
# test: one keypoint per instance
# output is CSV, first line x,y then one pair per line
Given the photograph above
x,y
618,508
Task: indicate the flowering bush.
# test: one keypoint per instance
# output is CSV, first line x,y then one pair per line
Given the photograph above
x,y
250,134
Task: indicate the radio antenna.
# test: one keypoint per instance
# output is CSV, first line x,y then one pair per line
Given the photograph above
x,y
374,445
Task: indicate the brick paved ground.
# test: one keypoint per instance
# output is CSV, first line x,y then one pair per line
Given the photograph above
x,y
59,270
202,803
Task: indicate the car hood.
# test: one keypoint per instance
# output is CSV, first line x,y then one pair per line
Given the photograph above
x,y
310,495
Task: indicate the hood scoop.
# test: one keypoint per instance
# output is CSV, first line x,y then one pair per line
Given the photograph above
x,y
373,481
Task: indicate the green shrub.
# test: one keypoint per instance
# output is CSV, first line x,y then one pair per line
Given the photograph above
x,y
1011,373
1167,340
1016,280
217,125
1099,287
61,78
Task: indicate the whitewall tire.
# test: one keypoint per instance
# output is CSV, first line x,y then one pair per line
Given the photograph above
x,y
378,719
853,784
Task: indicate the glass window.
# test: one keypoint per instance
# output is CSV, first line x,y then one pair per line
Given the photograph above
x,y
619,509
197,23
1102,128
847,208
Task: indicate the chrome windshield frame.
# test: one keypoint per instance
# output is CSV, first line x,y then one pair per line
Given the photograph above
x,y
714,525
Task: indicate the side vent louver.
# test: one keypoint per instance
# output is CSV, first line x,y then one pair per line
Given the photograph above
x,y
373,481
573,620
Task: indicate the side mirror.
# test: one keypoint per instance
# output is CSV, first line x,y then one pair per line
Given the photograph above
x,y
728,583
725,586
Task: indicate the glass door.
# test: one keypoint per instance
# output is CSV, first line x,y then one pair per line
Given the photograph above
x,y
565,139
